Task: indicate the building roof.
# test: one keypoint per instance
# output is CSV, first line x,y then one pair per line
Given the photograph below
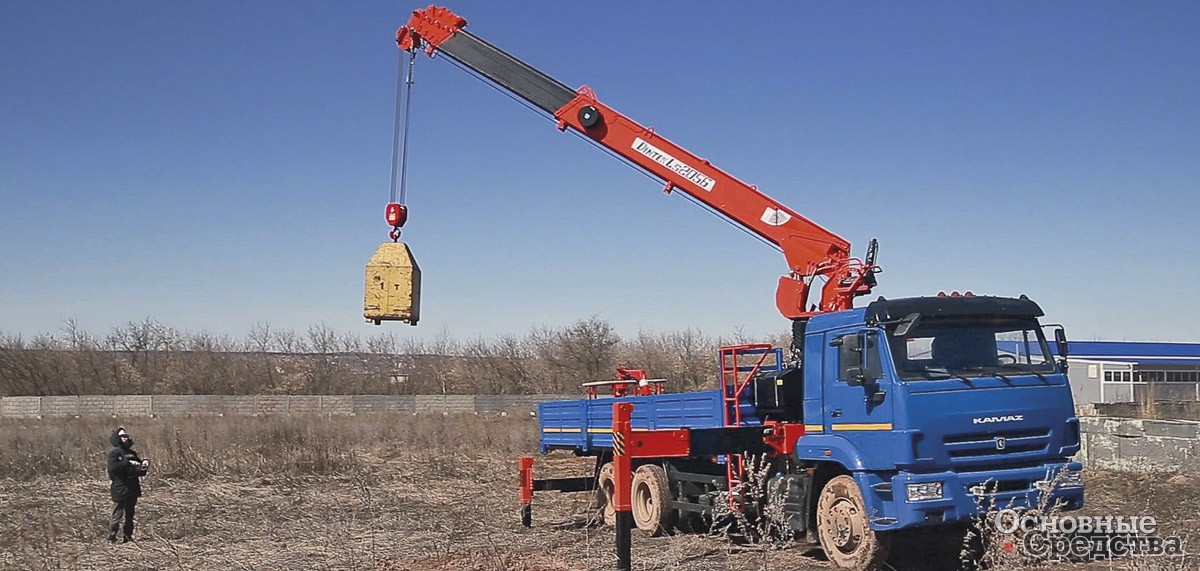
x,y
1135,352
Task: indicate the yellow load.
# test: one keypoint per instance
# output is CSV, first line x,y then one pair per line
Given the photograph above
x,y
393,285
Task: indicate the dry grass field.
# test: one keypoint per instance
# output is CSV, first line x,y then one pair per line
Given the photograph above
x,y
382,492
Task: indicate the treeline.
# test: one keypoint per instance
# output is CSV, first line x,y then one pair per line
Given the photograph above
x,y
148,357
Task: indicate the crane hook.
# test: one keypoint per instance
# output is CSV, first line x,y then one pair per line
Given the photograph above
x,y
397,215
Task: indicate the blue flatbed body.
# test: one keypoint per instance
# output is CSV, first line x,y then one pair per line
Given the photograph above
x,y
585,425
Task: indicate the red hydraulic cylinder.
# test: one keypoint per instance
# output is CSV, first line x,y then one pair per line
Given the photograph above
x,y
623,482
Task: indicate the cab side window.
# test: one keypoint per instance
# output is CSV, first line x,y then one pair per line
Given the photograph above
x,y
872,364
858,357
849,357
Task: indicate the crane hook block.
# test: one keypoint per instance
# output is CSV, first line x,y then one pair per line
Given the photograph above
x,y
393,285
397,214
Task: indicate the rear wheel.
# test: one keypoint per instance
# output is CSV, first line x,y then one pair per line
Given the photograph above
x,y
651,498
604,495
843,528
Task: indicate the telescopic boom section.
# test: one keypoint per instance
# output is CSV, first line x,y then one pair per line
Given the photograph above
x,y
809,249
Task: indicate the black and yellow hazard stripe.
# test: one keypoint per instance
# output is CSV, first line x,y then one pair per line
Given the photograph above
x,y
619,443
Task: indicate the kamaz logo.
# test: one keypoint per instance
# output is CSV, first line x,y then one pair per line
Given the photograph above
x,y
991,419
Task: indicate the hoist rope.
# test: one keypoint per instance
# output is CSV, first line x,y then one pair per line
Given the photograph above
x,y
400,135
412,59
396,124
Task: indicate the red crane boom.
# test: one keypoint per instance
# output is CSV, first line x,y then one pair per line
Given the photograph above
x,y
809,250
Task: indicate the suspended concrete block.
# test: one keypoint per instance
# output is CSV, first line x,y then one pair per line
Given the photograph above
x,y
393,285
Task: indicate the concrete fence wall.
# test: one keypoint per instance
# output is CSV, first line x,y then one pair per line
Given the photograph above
x,y
1140,445
1108,442
251,405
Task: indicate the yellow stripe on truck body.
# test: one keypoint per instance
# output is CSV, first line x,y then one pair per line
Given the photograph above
x,y
863,426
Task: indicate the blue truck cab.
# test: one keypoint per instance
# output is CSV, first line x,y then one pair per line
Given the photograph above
x,y
939,406
915,412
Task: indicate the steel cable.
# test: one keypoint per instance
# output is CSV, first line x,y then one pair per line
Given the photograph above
x,y
396,123
399,136
412,59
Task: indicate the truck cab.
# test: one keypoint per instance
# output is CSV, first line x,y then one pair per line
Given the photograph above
x,y
938,406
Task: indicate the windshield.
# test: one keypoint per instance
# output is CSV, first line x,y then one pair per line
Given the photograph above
x,y
939,348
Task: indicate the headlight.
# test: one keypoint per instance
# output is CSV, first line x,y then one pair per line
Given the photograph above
x,y
925,491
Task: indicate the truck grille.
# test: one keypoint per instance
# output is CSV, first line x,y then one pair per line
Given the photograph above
x,y
995,444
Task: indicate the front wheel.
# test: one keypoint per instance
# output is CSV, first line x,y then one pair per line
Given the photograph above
x,y
843,528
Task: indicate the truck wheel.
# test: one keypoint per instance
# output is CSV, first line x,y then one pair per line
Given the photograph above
x,y
842,526
651,498
604,495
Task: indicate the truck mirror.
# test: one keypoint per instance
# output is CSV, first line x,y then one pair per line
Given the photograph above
x,y
907,324
1060,338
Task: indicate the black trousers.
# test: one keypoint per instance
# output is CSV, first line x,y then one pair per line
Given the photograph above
x,y
122,511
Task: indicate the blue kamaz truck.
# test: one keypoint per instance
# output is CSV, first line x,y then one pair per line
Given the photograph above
x,y
915,412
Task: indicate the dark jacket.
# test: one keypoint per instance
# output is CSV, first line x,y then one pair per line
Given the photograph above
x,y
123,473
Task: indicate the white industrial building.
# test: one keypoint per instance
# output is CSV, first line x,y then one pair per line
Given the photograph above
x,y
1121,371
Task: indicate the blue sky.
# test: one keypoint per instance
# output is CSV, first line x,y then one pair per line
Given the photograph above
x,y
219,164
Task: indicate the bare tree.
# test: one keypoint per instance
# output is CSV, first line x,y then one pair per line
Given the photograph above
x,y
260,340
148,357
87,358
432,366
17,372
583,351
501,366
386,370
287,341
323,342
697,358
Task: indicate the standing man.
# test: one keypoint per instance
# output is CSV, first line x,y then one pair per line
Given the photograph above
x,y
125,470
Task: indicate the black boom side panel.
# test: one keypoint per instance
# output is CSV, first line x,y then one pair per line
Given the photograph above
x,y
507,71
